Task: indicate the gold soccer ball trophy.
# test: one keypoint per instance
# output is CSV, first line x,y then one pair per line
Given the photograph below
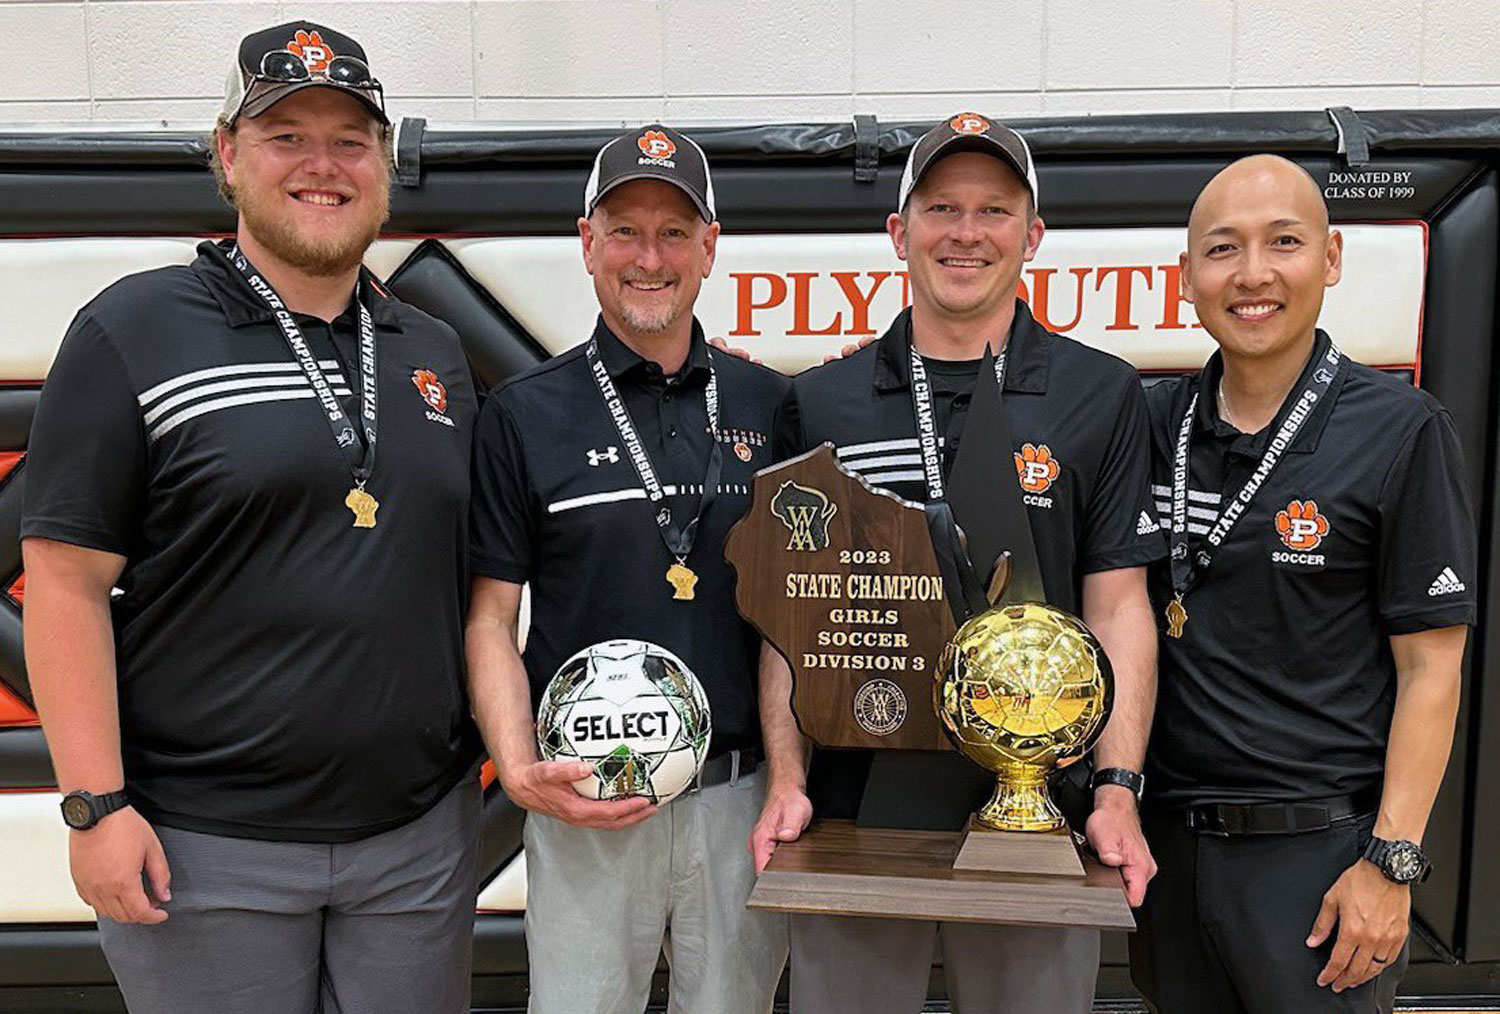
x,y
1022,689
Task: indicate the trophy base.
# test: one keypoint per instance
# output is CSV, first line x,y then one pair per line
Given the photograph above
x,y
1050,854
838,868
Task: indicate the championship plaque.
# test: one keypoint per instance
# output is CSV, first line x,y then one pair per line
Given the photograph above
x,y
900,636
843,580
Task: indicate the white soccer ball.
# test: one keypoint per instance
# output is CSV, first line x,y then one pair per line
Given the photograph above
x,y
632,709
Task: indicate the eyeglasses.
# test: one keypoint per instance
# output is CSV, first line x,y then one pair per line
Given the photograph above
x,y
281,66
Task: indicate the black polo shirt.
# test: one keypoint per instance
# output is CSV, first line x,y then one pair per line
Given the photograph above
x,y
557,504
1283,684
1093,512
282,674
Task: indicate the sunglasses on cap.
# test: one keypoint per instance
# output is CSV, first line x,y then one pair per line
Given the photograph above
x,y
283,67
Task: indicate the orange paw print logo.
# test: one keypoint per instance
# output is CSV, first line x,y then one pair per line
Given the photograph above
x,y
431,389
655,144
1301,526
1037,468
969,123
312,49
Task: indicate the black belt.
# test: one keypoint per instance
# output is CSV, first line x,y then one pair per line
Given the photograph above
x,y
1280,818
729,766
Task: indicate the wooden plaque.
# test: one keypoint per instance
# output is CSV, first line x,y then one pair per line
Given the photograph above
x,y
838,868
842,579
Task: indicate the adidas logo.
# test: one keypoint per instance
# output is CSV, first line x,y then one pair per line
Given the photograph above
x,y
1146,525
1446,583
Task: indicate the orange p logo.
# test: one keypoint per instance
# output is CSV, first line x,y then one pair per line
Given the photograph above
x,y
1301,526
655,144
1036,468
969,123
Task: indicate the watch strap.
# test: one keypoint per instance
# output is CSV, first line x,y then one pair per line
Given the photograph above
x,y
1132,780
1378,851
108,803
99,806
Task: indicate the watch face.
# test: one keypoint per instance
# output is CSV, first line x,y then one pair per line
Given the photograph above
x,y
1404,863
77,812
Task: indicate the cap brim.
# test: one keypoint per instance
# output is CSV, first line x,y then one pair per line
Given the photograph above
x,y
272,94
664,177
972,142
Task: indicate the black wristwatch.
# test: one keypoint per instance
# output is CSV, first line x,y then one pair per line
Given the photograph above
x,y
1132,780
82,810
1402,862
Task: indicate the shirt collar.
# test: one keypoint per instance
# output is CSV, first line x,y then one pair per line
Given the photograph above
x,y
620,359
1028,352
243,306
1207,414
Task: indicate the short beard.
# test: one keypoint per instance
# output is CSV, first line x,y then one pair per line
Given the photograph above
x,y
653,323
324,259
648,321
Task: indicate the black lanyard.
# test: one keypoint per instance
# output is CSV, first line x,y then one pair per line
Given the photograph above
x,y
923,409
1189,566
361,463
677,538
965,591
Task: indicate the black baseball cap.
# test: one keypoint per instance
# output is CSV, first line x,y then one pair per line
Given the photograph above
x,y
968,132
276,62
653,152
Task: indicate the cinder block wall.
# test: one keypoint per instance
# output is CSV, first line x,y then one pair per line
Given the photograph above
x,y
626,61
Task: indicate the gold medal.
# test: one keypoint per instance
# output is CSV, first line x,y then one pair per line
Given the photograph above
x,y
1176,616
682,580
363,505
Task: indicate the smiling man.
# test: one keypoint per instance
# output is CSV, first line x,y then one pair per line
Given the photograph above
x,y
966,223
607,480
1315,608
264,736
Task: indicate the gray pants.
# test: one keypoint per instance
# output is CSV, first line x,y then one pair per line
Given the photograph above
x,y
602,907
255,927
882,966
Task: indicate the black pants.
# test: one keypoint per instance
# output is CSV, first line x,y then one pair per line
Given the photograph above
x,y
1224,925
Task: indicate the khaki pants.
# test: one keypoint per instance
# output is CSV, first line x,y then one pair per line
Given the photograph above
x,y
846,965
602,906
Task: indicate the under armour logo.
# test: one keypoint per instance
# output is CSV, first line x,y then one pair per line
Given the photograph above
x,y
346,437
610,454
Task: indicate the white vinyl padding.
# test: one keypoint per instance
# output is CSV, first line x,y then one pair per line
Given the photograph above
x,y
1373,313
44,282
35,885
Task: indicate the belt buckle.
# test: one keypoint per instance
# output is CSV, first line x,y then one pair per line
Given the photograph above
x,y
1207,820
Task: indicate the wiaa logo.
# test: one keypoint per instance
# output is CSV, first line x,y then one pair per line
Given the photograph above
x,y
805,512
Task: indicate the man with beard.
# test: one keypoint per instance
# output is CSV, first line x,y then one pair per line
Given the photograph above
x,y
263,735
965,224
1315,607
607,479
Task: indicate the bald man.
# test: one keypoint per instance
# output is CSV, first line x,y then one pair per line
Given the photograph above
x,y
1314,610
